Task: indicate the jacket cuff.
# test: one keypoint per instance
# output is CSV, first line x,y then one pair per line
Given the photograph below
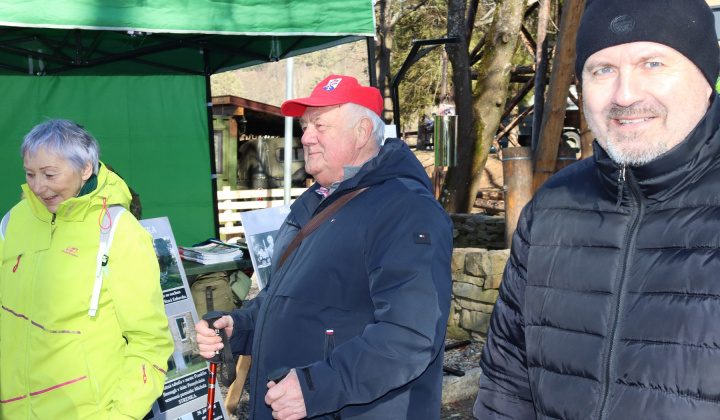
x,y
316,381
242,335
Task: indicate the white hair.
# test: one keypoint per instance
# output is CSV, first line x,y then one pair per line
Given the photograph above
x,y
357,112
67,140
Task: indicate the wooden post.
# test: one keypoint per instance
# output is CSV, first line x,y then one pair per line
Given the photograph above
x,y
541,68
586,136
517,176
236,388
438,178
560,79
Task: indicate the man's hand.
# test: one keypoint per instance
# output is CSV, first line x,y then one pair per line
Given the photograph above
x,y
286,398
208,341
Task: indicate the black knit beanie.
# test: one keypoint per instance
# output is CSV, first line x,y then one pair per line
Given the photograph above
x,y
687,26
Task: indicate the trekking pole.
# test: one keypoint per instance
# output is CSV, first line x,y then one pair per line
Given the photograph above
x,y
211,317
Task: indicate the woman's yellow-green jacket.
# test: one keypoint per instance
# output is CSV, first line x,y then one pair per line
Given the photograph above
x,y
57,361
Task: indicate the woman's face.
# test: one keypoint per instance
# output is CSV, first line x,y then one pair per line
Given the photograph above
x,y
52,179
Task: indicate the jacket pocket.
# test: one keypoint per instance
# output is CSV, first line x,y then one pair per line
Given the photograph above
x,y
329,347
93,383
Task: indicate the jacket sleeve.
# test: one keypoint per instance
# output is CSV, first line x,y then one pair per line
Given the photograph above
x,y
408,249
504,391
244,319
133,283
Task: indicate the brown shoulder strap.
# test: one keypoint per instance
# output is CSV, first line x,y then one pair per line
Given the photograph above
x,y
316,221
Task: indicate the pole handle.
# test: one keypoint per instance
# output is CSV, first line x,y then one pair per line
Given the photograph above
x,y
211,317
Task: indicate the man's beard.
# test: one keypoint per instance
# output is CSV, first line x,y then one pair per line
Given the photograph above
x,y
619,146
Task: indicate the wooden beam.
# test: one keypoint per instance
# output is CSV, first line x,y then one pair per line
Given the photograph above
x,y
560,79
541,68
528,41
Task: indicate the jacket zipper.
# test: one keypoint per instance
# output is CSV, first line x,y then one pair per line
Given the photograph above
x,y
636,215
275,285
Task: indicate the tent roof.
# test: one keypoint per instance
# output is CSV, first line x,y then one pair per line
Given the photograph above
x,y
104,37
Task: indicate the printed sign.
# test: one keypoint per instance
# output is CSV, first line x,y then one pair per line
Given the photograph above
x,y
186,385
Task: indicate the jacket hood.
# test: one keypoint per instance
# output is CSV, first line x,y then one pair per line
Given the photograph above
x,y
110,187
669,173
394,160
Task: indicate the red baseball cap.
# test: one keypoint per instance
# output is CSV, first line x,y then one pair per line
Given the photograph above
x,y
336,90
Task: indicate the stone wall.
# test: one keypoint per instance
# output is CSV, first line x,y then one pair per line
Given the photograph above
x,y
476,275
478,231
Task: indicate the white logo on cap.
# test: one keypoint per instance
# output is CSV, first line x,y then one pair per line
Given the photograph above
x,y
332,84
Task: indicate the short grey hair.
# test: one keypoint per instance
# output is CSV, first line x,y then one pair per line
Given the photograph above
x,y
357,112
66,139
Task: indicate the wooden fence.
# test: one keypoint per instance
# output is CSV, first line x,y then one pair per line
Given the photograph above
x,y
233,202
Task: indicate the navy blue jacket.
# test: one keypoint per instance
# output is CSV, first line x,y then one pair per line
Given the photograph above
x,y
378,274
610,303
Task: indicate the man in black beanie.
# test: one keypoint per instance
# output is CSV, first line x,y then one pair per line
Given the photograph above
x,y
610,303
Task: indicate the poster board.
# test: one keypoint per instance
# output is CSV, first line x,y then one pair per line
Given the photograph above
x,y
185,393
261,228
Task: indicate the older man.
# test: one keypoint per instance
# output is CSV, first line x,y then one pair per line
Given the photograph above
x,y
358,310
610,304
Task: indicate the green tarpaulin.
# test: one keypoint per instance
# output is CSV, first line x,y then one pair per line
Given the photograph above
x,y
134,73
159,148
170,36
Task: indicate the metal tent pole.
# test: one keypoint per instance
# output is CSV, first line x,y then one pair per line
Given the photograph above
x,y
287,179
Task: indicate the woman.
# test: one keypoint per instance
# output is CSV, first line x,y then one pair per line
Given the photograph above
x,y
60,358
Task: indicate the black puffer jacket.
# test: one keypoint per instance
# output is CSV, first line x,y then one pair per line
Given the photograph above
x,y
610,304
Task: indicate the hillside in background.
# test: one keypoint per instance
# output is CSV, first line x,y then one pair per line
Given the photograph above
x,y
266,82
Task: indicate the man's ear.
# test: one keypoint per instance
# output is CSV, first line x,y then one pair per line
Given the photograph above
x,y
363,129
87,171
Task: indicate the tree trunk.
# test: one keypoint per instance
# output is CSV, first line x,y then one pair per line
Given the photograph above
x,y
383,48
488,102
455,194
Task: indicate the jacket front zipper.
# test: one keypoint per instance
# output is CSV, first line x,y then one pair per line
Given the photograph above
x,y
636,215
272,287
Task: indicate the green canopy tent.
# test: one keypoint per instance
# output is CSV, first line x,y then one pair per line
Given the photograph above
x,y
136,74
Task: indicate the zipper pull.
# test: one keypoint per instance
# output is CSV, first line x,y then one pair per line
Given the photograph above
x,y
329,342
18,263
621,184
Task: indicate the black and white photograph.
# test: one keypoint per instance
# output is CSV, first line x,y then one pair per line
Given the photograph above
x,y
261,227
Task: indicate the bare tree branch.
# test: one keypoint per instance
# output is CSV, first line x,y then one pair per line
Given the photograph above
x,y
406,11
475,54
470,20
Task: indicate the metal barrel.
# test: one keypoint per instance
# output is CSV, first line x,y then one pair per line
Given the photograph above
x,y
518,180
566,157
445,141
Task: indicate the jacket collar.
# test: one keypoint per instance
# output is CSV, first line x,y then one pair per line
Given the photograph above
x,y
394,160
670,173
109,187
